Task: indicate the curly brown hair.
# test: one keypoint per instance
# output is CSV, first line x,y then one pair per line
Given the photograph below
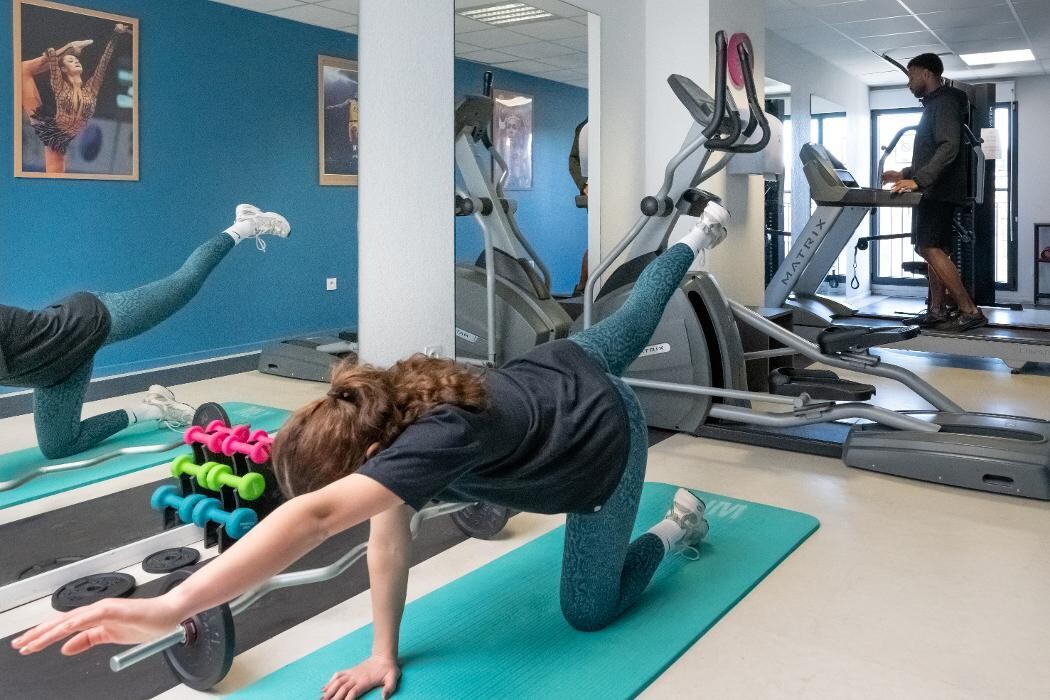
x,y
329,438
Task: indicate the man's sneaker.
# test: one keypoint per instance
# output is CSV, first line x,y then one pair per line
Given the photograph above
x,y
688,512
250,222
174,414
926,318
962,322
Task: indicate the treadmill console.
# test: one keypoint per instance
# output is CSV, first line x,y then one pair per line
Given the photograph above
x,y
832,184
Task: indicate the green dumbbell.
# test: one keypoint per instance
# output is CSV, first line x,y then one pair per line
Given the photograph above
x,y
184,464
249,487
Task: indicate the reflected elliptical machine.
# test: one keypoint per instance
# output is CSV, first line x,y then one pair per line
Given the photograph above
x,y
504,305
691,376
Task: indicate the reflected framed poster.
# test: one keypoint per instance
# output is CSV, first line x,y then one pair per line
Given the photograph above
x,y
338,112
512,136
76,111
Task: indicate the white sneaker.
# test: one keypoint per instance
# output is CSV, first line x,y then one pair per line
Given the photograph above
x,y
246,211
174,414
688,512
250,222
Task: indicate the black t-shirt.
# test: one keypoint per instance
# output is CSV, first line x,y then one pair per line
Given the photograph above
x,y
553,440
939,156
41,348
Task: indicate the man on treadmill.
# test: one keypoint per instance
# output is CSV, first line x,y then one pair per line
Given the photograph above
x,y
938,170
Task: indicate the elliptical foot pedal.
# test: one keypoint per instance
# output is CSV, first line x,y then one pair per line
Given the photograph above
x,y
820,384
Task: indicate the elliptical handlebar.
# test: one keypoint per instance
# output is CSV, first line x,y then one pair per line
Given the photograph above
x,y
721,84
758,113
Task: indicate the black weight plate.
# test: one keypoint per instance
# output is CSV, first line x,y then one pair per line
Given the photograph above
x,y
91,589
482,521
204,659
207,412
168,560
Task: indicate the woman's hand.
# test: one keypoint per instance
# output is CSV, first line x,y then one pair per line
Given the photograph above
x,y
112,621
374,672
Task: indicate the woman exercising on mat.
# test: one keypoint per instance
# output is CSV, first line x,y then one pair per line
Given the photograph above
x,y
52,350
556,431
75,98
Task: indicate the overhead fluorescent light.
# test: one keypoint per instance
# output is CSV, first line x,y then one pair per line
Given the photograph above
x,y
505,13
989,57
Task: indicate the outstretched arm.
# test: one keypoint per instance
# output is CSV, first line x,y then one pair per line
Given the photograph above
x,y
95,83
283,537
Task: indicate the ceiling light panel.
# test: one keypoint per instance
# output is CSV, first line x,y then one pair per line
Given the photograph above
x,y
507,13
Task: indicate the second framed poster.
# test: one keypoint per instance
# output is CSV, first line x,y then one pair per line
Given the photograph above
x,y
337,120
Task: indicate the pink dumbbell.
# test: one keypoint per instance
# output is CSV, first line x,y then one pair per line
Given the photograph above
x,y
239,441
196,434
215,438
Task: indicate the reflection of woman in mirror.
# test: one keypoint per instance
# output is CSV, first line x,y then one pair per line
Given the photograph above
x,y
74,98
52,350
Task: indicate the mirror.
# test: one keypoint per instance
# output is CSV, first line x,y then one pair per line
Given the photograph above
x,y
778,190
536,57
828,127
276,128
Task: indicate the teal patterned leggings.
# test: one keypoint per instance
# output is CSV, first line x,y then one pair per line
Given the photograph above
x,y
56,409
603,571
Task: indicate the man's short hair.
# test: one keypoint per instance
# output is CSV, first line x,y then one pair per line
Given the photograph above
x,y
930,61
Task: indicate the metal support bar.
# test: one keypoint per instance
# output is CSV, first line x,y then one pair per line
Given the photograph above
x,y
796,401
832,412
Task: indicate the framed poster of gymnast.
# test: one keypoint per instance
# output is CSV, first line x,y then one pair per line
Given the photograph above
x,y
337,120
76,92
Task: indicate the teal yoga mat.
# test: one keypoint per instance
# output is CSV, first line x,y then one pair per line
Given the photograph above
x,y
16,463
498,631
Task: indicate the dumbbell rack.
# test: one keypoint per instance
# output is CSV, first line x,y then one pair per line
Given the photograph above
x,y
214,533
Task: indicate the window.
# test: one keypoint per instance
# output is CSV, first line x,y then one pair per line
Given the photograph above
x,y
888,256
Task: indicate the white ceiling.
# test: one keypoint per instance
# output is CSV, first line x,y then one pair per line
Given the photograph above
x,y
844,32
554,48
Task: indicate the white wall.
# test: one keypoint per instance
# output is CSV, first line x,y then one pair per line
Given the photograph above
x,y
808,74
1033,178
738,264
406,230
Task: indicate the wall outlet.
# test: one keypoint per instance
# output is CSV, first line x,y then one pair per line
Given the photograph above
x,y
332,284
432,350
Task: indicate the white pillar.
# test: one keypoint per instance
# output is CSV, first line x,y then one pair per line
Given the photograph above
x,y
406,231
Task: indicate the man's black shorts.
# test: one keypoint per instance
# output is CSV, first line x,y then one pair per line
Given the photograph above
x,y
931,224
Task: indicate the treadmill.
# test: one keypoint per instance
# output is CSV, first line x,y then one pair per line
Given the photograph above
x,y
1015,337
311,358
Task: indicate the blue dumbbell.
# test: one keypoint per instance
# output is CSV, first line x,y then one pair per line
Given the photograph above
x,y
236,523
168,497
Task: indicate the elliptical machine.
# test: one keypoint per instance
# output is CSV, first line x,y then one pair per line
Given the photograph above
x,y
504,305
691,375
